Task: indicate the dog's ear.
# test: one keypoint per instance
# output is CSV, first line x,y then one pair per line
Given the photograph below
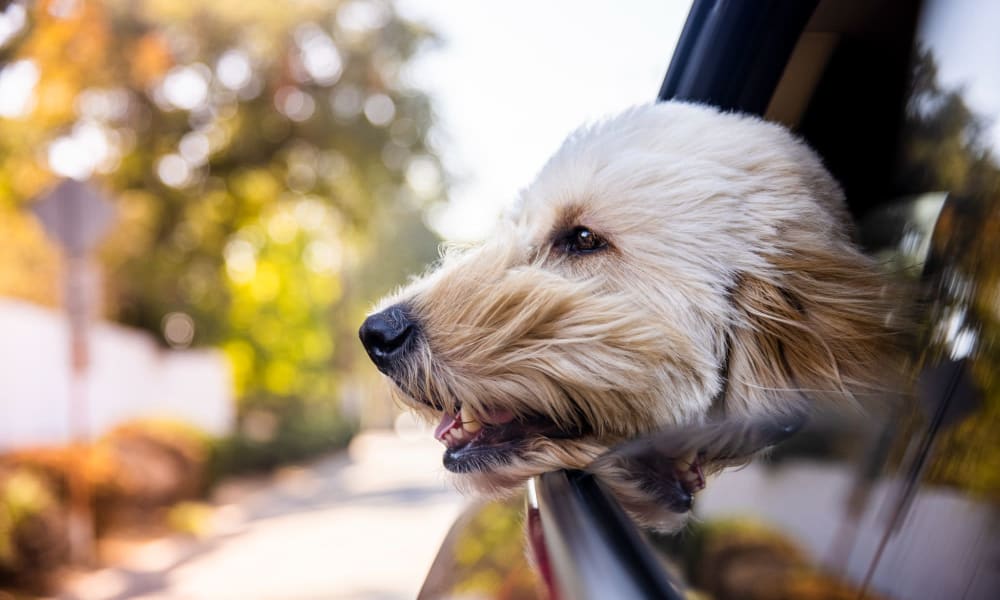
x,y
822,324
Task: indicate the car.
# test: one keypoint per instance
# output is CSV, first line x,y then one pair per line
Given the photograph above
x,y
901,99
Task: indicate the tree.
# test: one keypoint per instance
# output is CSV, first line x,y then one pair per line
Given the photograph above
x,y
264,157
945,147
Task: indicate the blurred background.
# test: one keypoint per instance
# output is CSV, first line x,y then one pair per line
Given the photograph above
x,y
199,201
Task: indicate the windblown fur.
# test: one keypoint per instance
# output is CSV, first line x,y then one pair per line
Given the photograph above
x,y
729,287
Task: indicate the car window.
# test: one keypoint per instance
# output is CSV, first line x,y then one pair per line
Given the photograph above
x,y
906,507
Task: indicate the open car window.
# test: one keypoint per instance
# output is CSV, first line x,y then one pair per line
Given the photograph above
x,y
903,104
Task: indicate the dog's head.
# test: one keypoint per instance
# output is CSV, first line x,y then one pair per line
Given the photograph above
x,y
667,265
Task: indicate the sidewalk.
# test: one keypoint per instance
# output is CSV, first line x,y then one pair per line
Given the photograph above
x,y
361,525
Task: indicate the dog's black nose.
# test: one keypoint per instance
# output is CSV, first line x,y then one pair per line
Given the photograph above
x,y
384,335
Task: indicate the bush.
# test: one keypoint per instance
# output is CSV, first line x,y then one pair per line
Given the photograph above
x,y
154,464
33,531
142,473
131,475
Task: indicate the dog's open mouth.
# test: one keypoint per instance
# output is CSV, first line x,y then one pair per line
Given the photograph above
x,y
477,444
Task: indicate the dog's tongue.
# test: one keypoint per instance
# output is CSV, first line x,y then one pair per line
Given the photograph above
x,y
448,422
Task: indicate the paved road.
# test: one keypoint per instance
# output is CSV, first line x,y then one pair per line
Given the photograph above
x,y
362,525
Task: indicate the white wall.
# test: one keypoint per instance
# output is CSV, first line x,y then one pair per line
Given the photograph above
x,y
129,378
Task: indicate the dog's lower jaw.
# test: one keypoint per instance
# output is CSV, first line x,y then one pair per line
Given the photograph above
x,y
532,457
494,439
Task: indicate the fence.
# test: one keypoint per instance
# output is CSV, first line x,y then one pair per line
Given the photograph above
x,y
129,377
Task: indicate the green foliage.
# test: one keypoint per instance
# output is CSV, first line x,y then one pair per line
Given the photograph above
x,y
269,163
282,280
192,518
22,497
32,530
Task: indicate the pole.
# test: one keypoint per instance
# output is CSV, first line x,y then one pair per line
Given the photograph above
x,y
81,518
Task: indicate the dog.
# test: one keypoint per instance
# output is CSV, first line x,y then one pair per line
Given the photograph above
x,y
669,267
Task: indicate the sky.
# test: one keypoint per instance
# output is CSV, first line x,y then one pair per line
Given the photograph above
x,y
513,78
963,37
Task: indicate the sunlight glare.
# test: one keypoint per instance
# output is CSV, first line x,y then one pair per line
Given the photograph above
x,y
17,89
12,21
319,55
294,103
173,170
186,87
379,110
233,70
80,153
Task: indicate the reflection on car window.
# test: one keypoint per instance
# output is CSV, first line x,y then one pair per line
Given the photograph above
x,y
951,143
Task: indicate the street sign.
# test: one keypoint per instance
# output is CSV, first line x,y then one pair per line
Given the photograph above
x,y
76,215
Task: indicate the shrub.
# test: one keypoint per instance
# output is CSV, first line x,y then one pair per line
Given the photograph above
x,y
154,464
33,531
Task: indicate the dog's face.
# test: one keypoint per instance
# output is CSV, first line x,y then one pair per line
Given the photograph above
x,y
667,265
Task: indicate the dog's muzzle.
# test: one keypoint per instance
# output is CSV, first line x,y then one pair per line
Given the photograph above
x,y
387,336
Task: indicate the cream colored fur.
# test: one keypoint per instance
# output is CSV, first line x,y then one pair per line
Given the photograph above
x,y
729,255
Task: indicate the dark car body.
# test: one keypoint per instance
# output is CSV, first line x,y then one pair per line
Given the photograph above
x,y
902,100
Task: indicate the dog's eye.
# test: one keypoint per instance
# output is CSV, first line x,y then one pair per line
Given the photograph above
x,y
582,241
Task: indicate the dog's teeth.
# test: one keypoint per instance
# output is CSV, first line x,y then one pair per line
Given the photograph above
x,y
688,460
469,423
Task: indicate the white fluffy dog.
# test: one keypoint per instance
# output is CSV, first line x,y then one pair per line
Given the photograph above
x,y
669,266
